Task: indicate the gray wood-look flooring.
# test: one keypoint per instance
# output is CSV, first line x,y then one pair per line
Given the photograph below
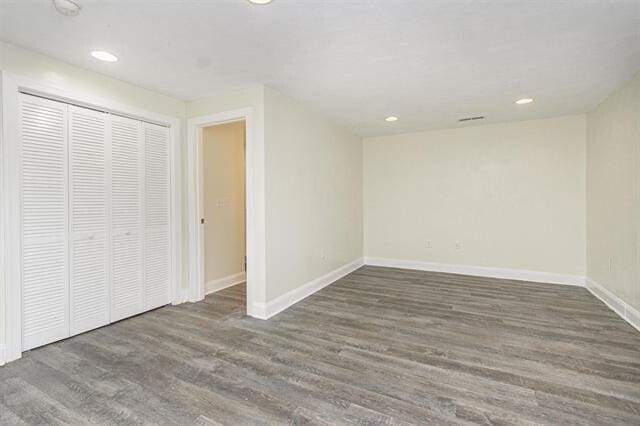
x,y
381,345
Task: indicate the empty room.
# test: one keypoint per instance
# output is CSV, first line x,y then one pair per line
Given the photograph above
x,y
239,212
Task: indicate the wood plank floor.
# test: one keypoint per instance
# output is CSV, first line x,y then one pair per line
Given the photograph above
x,y
381,345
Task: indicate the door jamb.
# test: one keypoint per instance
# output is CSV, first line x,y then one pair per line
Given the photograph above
x,y
253,185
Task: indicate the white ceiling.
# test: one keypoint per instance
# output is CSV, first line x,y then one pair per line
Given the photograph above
x,y
356,61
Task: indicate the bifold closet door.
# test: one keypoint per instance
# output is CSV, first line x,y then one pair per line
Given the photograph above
x,y
44,209
156,216
95,218
89,252
127,267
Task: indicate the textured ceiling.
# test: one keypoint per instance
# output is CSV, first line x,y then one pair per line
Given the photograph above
x,y
356,61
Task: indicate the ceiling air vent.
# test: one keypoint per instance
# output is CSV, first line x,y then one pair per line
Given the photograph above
x,y
479,117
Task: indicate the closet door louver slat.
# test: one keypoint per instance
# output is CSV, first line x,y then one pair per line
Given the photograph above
x,y
89,278
43,184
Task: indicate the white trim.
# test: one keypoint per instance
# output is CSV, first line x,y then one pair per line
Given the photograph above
x,y
4,223
617,305
254,192
13,293
479,271
12,85
225,282
279,304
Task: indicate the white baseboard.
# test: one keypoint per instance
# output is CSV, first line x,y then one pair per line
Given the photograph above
x,y
617,305
269,309
479,271
224,282
2,355
279,304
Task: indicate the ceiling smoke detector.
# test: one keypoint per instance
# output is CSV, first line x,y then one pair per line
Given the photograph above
x,y
67,7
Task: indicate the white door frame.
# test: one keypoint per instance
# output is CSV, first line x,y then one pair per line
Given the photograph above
x,y
10,217
254,187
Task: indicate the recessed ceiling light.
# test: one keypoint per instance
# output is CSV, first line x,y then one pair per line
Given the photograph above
x,y
260,1
391,119
67,7
524,101
104,56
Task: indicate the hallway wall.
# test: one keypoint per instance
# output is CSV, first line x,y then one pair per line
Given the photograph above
x,y
224,200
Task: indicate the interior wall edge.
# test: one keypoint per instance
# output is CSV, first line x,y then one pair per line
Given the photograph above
x,y
267,310
310,109
3,316
616,304
313,191
479,271
613,194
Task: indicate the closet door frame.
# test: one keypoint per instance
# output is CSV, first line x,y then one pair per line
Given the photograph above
x,y
10,216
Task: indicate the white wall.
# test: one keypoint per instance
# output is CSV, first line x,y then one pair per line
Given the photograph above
x,y
223,191
613,193
64,76
512,195
313,195
234,99
311,188
253,98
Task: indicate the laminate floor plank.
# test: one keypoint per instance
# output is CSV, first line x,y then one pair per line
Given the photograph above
x,y
379,346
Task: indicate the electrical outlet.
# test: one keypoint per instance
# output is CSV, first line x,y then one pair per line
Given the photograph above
x,y
458,245
322,254
428,244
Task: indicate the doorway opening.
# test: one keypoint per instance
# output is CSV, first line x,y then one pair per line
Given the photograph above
x,y
254,206
224,211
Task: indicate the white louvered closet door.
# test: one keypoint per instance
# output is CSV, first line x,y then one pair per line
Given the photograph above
x,y
156,215
127,268
89,253
43,180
